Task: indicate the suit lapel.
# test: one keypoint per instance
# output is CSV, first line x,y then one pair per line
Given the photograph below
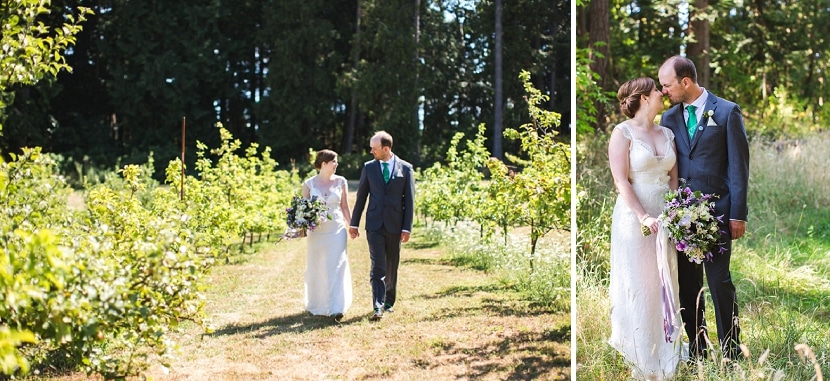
x,y
711,104
681,124
378,174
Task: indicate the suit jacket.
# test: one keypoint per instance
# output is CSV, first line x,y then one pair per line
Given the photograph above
x,y
716,160
391,205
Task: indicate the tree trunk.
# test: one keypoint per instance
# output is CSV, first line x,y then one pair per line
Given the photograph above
x,y
698,51
348,135
498,101
417,154
552,84
598,41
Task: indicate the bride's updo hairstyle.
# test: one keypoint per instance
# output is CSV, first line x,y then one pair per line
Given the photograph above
x,y
630,92
324,156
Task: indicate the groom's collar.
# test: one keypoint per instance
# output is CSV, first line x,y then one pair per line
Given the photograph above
x,y
700,102
390,161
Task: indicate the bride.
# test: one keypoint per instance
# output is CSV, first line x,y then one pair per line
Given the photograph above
x,y
328,281
644,166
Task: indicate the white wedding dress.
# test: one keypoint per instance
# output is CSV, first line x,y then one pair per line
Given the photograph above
x,y
328,281
637,304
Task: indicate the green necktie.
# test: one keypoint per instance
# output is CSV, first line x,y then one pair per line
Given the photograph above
x,y
691,124
385,172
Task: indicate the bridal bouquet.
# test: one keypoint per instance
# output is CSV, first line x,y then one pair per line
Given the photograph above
x,y
305,214
689,217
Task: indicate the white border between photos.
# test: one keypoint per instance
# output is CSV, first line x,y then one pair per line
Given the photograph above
x,y
573,191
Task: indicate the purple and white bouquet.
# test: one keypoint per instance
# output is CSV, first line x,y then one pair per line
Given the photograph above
x,y
689,217
305,214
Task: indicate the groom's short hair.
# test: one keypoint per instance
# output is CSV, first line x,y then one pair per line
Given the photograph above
x,y
385,138
683,67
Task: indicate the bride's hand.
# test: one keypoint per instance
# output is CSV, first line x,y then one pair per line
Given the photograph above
x,y
650,222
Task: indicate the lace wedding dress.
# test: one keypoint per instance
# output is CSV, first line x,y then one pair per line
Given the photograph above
x,y
637,315
328,281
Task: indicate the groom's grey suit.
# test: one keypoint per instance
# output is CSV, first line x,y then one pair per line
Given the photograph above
x,y
390,212
715,160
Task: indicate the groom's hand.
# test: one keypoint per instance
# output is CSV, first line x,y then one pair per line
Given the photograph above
x,y
404,236
353,232
738,228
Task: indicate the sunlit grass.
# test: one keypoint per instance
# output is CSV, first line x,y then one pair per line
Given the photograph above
x,y
781,268
543,278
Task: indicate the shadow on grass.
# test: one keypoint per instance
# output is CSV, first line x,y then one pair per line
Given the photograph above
x,y
491,300
469,290
296,323
422,244
534,358
521,355
423,261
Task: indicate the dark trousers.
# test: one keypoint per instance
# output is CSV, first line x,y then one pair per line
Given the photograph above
x,y
385,254
719,280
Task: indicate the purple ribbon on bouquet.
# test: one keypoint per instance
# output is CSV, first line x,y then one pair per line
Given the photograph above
x,y
666,287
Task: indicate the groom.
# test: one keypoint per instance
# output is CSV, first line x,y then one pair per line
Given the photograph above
x,y
713,157
389,183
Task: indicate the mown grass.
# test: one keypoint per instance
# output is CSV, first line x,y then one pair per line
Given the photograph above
x,y
781,268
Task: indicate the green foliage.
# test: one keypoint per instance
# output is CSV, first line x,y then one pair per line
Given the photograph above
x,y
758,65
149,270
33,267
30,49
642,36
588,92
234,195
305,55
538,196
542,190
289,75
102,289
766,57
453,192
594,203
99,288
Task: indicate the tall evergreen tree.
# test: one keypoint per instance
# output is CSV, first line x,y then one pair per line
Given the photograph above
x,y
291,75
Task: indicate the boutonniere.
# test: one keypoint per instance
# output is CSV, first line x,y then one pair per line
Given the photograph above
x,y
708,115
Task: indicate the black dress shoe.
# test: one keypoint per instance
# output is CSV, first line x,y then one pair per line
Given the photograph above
x,y
377,315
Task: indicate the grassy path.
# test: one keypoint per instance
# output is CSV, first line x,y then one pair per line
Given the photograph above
x,y
450,324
